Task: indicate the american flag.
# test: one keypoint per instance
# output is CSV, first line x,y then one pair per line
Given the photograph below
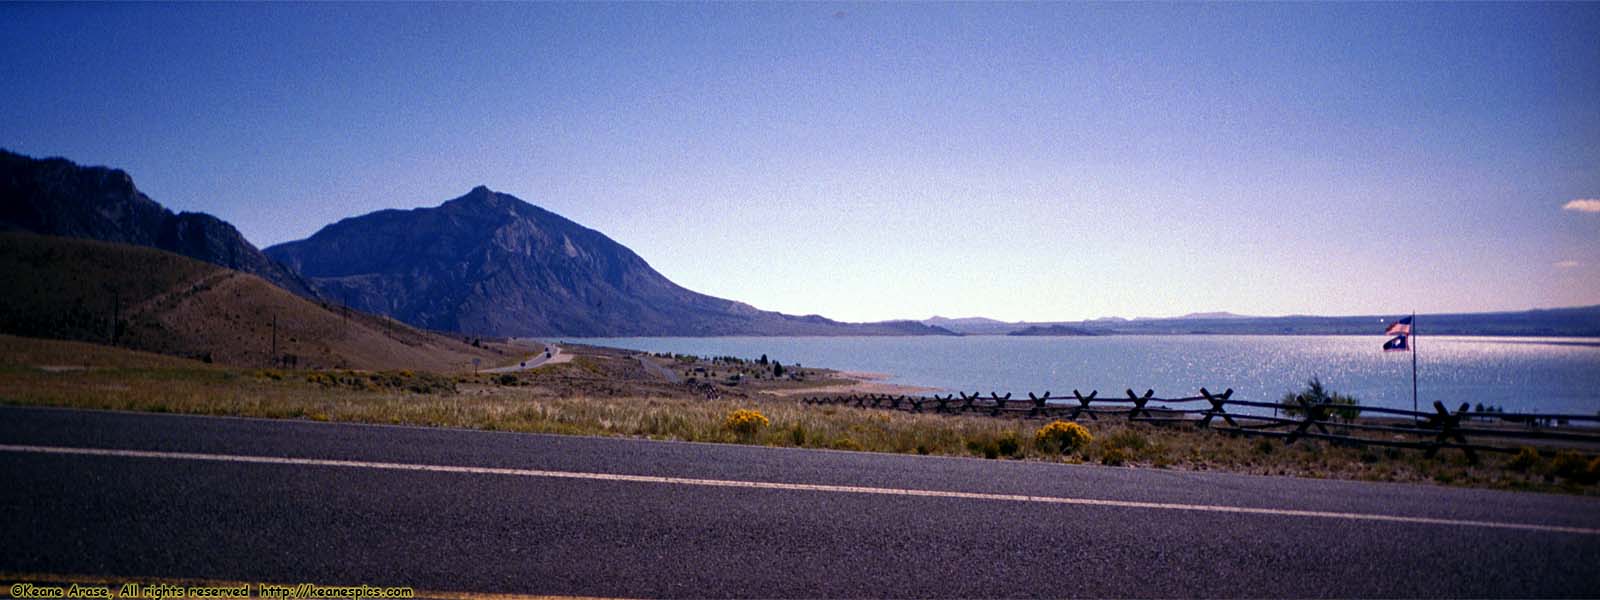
x,y
1401,327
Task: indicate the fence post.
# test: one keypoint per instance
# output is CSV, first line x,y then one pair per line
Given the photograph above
x,y
1216,407
1083,405
999,403
1449,427
1138,404
1038,403
1313,415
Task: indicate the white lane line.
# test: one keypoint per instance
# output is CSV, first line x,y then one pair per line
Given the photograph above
x,y
795,487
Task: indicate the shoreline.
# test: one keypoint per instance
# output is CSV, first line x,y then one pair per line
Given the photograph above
x,y
861,382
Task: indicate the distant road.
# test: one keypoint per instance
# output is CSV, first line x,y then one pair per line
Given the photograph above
x,y
651,367
551,354
146,495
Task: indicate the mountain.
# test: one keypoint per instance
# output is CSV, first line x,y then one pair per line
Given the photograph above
x,y
156,301
489,263
973,325
1213,315
54,196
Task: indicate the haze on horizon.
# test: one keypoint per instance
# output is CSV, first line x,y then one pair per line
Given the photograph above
x,y
880,161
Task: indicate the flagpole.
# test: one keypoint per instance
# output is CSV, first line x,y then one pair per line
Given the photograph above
x,y
1414,417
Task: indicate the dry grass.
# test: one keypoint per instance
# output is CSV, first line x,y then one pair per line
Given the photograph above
x,y
170,304
553,401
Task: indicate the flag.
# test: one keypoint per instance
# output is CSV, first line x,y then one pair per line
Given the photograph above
x,y
1400,343
1401,327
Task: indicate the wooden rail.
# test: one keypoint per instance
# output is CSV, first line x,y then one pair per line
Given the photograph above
x,y
1427,431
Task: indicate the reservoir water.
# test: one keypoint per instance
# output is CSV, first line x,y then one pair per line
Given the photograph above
x,y
1560,375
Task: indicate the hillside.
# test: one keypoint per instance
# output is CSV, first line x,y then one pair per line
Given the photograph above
x,y
55,196
1051,331
69,289
488,263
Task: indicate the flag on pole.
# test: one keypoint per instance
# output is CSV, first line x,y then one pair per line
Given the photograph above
x,y
1400,343
1401,327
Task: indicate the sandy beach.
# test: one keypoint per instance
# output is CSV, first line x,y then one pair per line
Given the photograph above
x,y
864,383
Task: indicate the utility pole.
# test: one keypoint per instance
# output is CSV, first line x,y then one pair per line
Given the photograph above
x,y
274,340
1414,417
116,314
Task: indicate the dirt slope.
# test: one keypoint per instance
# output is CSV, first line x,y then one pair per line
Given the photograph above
x,y
70,289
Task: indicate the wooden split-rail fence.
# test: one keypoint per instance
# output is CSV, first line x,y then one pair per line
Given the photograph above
x,y
1426,431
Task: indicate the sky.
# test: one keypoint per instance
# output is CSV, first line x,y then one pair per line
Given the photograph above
x,y
878,161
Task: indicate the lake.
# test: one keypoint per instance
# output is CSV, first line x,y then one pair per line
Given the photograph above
x,y
1520,374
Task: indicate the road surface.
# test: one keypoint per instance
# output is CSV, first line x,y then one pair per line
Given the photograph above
x,y
114,494
656,370
551,354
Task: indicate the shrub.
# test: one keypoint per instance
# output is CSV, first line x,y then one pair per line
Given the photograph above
x,y
983,447
1525,459
1264,446
1114,457
797,435
1573,466
1128,440
1061,437
1009,445
745,421
1340,405
991,446
506,379
847,444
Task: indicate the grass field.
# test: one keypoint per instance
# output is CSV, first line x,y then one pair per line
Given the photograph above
x,y
603,392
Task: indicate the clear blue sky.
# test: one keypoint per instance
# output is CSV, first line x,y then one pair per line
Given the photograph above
x,y
876,161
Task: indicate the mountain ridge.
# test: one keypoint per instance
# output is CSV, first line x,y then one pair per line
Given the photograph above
x,y
1578,321
55,196
490,263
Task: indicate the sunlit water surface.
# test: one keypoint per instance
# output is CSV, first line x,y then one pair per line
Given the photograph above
x,y
1519,374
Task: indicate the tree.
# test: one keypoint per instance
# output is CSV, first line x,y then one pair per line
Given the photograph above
x,y
777,369
1343,406
763,360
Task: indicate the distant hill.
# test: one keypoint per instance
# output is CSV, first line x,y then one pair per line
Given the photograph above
x,y
489,263
1214,315
974,325
70,289
1052,331
1583,321
54,196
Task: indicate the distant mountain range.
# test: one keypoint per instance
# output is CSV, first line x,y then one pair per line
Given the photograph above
x,y
484,264
490,264
1579,321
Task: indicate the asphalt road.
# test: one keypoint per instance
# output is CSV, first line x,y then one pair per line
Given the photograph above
x,y
439,509
658,371
551,351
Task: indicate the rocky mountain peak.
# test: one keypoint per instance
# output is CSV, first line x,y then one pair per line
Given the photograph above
x,y
481,198
490,263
